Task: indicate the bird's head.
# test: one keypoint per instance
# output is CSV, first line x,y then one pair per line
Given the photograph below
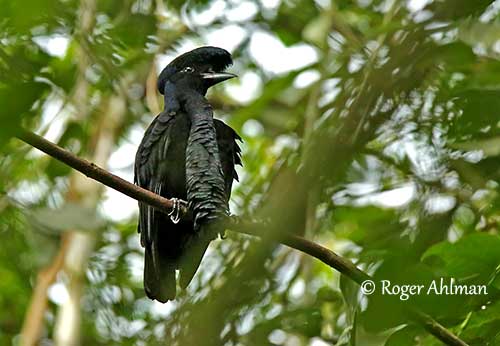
x,y
196,70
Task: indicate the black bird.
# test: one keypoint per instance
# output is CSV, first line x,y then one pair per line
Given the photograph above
x,y
189,155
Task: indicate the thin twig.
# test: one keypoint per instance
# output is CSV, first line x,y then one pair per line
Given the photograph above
x,y
313,249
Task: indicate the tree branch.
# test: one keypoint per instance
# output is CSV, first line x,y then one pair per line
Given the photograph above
x,y
95,172
317,251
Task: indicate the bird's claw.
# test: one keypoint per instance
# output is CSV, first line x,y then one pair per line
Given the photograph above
x,y
176,211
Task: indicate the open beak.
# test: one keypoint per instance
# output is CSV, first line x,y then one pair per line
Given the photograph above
x,y
217,77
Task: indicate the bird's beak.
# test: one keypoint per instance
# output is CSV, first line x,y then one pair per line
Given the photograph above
x,y
217,77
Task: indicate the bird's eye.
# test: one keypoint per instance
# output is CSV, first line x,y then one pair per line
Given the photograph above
x,y
188,69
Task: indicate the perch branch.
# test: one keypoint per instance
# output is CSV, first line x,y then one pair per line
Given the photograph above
x,y
317,251
95,172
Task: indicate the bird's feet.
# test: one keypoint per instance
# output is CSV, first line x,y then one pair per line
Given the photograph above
x,y
175,214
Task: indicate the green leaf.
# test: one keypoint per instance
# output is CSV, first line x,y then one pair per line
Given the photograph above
x,y
368,226
483,325
406,336
479,115
16,100
134,30
472,259
456,9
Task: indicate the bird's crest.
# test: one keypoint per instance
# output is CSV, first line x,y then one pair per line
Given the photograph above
x,y
218,58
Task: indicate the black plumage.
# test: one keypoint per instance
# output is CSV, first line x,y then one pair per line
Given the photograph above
x,y
185,154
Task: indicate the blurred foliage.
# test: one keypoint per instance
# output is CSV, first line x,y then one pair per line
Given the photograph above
x,y
384,147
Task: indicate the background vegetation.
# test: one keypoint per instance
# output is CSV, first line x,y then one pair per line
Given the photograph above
x,y
369,126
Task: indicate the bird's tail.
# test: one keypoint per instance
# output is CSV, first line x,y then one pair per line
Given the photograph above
x,y
159,280
191,260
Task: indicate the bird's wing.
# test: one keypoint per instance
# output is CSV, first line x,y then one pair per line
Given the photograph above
x,y
229,151
160,168
152,151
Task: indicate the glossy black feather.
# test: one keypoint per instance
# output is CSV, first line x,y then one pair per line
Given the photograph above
x,y
186,154
206,190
